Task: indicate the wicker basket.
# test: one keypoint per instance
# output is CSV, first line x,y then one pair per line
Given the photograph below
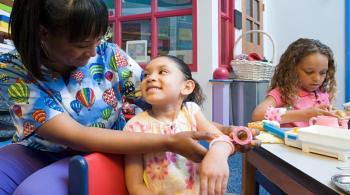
x,y
253,70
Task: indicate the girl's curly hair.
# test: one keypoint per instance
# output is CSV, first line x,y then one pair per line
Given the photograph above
x,y
286,70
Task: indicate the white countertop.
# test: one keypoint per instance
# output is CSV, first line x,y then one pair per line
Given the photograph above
x,y
319,167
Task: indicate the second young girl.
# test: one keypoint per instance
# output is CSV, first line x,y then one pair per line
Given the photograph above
x,y
302,87
174,96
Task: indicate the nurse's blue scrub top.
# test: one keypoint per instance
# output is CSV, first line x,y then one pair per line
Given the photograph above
x,y
92,95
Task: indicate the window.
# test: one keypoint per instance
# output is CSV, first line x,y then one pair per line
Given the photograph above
x,y
252,19
225,32
168,26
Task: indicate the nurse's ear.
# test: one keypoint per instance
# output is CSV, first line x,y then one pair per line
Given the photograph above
x,y
44,33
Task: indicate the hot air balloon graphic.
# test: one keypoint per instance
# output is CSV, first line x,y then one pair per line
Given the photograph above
x,y
78,76
17,110
3,65
28,128
55,94
96,71
98,124
4,78
19,92
128,88
86,96
51,103
106,113
76,106
113,64
101,49
121,61
109,75
126,74
109,97
39,115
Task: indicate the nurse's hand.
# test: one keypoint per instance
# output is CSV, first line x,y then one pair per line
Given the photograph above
x,y
186,143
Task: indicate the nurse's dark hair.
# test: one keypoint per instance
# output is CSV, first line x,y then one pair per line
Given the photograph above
x,y
197,94
73,20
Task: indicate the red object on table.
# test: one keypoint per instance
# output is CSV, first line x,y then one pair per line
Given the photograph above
x,y
221,73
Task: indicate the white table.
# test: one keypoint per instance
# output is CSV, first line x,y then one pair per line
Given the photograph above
x,y
292,170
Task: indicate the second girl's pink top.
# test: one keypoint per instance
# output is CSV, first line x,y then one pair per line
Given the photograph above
x,y
305,100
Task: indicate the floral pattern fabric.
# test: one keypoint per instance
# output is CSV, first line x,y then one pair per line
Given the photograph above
x,y
167,172
92,95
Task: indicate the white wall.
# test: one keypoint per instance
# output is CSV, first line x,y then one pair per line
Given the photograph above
x,y
288,20
207,37
285,21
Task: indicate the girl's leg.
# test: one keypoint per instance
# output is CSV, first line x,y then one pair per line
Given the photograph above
x,y
52,180
17,162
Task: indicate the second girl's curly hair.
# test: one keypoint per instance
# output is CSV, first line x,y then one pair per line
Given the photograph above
x,y
286,71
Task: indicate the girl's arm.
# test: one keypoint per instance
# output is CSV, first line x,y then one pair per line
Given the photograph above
x,y
213,178
64,130
259,111
290,115
134,175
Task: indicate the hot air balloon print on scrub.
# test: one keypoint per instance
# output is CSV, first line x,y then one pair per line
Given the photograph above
x,y
109,97
17,110
78,76
109,75
86,97
51,103
19,92
120,59
54,93
106,113
28,128
128,88
4,78
39,115
76,106
126,73
98,124
96,71
113,64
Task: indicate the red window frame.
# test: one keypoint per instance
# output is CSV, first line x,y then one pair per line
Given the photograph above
x,y
117,19
229,35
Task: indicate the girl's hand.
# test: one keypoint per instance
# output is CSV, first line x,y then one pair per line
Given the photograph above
x,y
186,144
319,110
214,170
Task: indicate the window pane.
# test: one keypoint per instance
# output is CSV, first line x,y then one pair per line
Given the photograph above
x,y
164,5
249,24
137,30
248,8
224,42
130,7
111,7
175,37
223,5
256,37
256,10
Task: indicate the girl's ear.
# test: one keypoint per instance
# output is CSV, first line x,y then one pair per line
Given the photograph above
x,y
188,87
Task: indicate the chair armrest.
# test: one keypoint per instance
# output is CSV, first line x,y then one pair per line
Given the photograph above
x,y
96,174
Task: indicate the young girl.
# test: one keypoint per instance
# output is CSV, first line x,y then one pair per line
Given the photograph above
x,y
174,96
302,86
